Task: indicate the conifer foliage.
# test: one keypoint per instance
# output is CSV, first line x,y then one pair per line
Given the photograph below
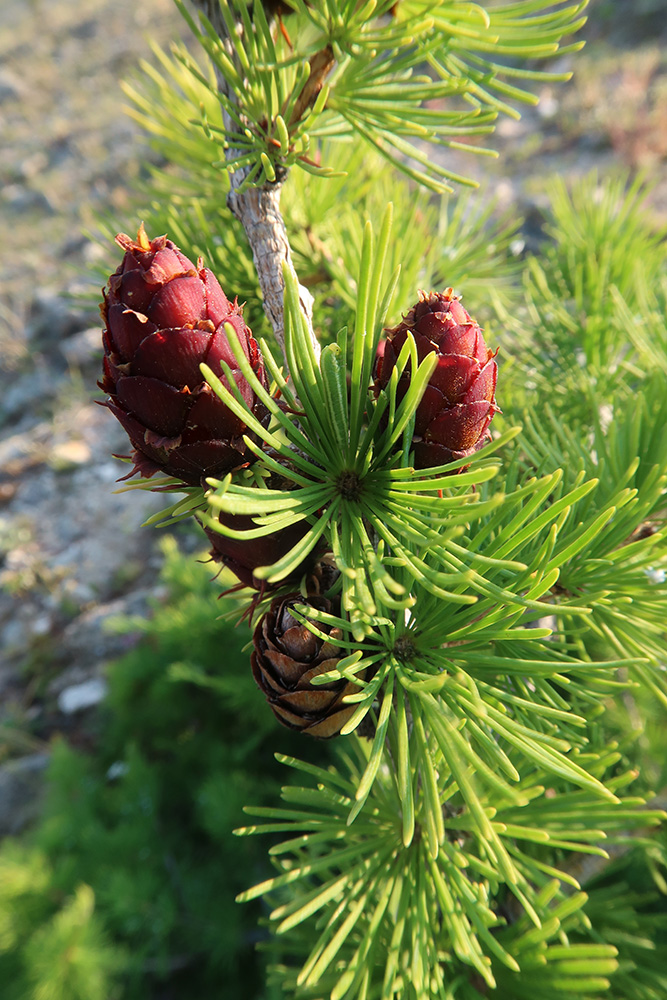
x,y
474,609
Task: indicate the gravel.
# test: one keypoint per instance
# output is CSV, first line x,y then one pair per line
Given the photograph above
x,y
72,551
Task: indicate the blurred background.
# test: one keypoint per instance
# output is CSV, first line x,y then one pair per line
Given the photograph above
x,y
117,795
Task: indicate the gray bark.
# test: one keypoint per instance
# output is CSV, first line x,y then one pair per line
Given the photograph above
x,y
258,210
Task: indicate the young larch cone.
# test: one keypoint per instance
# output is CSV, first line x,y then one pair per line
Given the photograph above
x,y
164,317
287,656
245,555
454,414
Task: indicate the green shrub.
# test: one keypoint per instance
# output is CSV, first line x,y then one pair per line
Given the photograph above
x,y
128,884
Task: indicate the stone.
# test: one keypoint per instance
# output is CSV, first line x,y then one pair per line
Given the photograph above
x,y
78,697
68,454
12,88
21,792
84,347
21,198
26,392
52,318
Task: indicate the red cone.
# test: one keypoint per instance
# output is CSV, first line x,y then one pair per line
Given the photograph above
x,y
458,404
163,318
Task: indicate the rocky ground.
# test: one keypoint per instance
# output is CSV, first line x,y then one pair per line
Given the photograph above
x,y
72,554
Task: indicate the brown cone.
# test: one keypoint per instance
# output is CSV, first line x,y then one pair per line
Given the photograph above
x,y
287,656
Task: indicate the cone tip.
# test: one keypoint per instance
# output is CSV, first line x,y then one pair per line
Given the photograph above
x,y
142,238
